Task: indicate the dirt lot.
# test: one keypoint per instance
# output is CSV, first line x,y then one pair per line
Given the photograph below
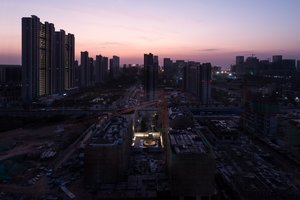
x,y
22,167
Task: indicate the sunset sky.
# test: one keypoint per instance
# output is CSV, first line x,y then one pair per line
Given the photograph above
x,y
203,30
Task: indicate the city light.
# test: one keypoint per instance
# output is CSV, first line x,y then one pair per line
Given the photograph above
x,y
149,99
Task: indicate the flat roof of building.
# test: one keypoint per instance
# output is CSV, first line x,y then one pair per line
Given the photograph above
x,y
111,132
187,142
224,127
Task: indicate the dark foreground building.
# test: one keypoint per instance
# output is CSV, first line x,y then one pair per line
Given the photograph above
x,y
107,152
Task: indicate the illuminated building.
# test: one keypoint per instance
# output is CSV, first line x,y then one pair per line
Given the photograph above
x,y
47,59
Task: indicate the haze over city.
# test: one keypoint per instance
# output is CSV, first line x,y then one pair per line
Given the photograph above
x,y
206,31
140,99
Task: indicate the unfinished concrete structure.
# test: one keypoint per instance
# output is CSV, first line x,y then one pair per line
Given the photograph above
x,y
107,152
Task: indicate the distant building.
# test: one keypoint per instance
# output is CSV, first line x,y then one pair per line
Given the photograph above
x,y
216,70
239,65
47,59
10,74
107,152
131,70
298,65
104,69
205,87
63,75
98,65
91,75
69,63
84,69
101,69
248,67
114,67
151,68
260,116
277,58
37,57
239,60
253,66
76,73
169,70
289,65
61,68
10,84
197,80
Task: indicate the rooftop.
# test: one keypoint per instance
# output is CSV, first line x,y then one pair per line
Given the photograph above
x,y
223,127
111,132
187,142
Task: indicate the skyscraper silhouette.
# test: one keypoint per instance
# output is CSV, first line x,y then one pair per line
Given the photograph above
x,y
150,75
47,59
84,69
197,80
69,61
59,61
65,53
101,69
114,67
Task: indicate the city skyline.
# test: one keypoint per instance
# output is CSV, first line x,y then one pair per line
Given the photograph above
x,y
205,31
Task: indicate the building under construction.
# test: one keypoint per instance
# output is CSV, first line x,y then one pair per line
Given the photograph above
x,y
191,164
107,152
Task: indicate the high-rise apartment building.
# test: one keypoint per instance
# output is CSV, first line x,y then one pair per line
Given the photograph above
x,y
59,62
104,69
239,60
98,63
197,80
84,69
30,58
64,57
150,75
76,74
101,69
114,67
277,58
69,61
91,79
205,83
44,53
168,68
37,57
